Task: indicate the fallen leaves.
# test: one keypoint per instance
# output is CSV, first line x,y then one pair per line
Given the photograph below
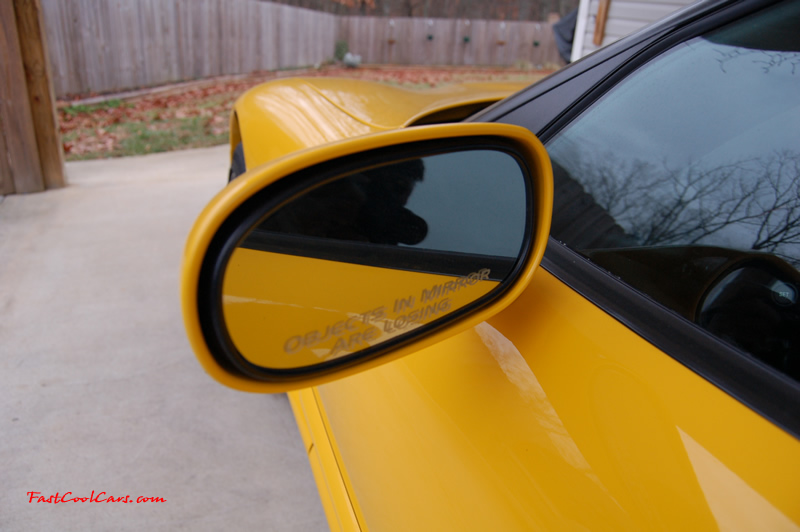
x,y
197,115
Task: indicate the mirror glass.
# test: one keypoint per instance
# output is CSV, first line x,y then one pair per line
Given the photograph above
x,y
373,254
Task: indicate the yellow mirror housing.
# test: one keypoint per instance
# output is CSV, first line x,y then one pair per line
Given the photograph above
x,y
337,258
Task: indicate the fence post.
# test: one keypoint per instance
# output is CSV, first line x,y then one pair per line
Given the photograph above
x,y
24,172
33,44
28,128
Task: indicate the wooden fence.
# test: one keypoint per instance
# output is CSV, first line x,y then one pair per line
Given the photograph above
x,y
418,41
112,45
107,45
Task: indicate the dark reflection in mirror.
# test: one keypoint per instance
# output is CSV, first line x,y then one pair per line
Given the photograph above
x,y
365,207
442,214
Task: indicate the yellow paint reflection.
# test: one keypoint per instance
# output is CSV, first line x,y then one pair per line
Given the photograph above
x,y
513,365
309,118
734,504
286,311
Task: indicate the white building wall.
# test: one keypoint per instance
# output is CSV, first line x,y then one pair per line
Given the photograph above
x,y
624,18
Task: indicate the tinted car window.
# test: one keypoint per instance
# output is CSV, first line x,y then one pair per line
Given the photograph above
x,y
684,181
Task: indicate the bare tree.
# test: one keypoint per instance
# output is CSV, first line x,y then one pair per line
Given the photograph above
x,y
766,59
779,202
749,204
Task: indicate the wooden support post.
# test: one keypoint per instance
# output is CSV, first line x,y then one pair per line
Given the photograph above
x,y
30,146
25,171
33,44
600,22
6,178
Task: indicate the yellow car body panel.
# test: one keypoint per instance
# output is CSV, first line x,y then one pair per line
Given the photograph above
x,y
333,493
288,115
550,415
553,415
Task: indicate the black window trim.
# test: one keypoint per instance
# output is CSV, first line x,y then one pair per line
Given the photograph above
x,y
763,389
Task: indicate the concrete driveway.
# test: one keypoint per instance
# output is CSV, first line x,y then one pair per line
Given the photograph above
x,y
99,390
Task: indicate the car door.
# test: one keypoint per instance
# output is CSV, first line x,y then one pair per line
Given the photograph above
x,y
647,378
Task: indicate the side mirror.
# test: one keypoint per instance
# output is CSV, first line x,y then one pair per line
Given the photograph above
x,y
338,258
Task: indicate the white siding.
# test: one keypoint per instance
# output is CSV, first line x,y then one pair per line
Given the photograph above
x,y
624,18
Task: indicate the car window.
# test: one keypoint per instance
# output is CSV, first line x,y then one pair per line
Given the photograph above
x,y
684,182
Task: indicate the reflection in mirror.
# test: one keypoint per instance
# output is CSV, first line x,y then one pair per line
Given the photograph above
x,y
371,255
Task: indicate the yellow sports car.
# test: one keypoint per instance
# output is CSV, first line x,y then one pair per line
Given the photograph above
x,y
574,307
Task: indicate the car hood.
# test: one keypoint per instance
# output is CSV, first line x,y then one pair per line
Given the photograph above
x,y
288,115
